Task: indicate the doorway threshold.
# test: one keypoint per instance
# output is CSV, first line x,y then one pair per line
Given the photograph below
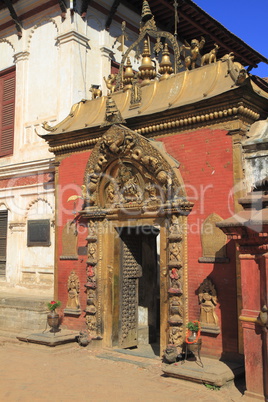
x,y
147,351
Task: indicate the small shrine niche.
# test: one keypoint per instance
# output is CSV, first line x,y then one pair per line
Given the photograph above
x,y
213,241
73,304
207,297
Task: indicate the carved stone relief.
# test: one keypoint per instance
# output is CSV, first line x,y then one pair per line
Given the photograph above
x,y
126,168
73,305
207,297
176,291
213,241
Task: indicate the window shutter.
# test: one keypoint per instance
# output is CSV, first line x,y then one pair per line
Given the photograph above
x,y
3,242
7,104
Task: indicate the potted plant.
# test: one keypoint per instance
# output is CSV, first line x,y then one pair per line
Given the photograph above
x,y
194,327
53,317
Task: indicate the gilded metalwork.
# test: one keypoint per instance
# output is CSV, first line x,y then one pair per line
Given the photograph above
x,y
112,115
165,65
96,91
148,27
194,48
210,57
147,69
110,82
128,75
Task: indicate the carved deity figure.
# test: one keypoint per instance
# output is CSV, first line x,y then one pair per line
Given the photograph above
x,y
92,229
175,336
208,300
92,248
73,291
195,47
174,278
174,252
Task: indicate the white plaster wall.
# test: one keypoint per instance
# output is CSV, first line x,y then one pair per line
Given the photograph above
x,y
7,53
56,62
42,74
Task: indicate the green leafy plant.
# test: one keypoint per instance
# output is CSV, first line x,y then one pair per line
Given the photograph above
x,y
53,305
194,326
212,387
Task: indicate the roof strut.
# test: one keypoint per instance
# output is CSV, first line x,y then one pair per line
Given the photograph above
x,y
14,16
84,7
112,13
63,8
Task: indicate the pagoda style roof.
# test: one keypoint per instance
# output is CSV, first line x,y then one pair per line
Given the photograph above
x,y
197,86
193,22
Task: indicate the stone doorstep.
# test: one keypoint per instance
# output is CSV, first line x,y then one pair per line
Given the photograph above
x,y
214,372
50,339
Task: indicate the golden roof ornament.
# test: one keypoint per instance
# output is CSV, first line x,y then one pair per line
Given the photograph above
x,y
128,75
146,13
112,114
147,69
165,67
148,28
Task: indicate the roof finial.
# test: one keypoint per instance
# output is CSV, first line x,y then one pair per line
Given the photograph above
x,y
112,114
146,13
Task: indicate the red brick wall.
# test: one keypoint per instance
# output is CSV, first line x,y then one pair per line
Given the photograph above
x,y
71,177
207,169
206,166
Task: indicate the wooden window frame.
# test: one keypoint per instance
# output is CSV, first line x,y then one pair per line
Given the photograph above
x,y
3,242
7,105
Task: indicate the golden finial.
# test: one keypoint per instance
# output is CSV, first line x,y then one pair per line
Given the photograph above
x,y
146,13
128,75
165,66
147,69
112,114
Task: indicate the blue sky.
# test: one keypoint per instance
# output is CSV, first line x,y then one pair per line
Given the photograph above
x,y
247,19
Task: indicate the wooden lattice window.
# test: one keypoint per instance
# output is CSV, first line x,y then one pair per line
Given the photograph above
x,y
7,111
3,242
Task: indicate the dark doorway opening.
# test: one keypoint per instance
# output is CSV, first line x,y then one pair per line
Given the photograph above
x,y
139,323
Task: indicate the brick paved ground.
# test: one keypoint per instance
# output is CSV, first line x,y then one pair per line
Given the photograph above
x,y
30,372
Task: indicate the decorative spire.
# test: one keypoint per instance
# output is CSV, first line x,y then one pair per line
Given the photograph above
x,y
147,70
165,66
128,75
146,13
112,114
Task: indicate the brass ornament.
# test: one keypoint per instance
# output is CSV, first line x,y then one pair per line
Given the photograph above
x,y
165,65
210,57
128,75
112,115
147,69
194,48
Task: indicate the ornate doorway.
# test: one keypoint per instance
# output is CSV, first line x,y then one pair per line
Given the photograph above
x,y
135,289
